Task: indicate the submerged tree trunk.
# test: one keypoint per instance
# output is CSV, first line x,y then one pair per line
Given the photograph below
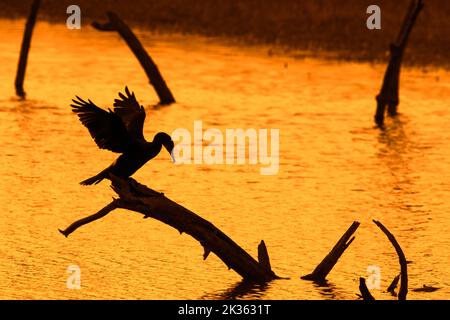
x,y
26,42
152,71
137,197
388,95
321,271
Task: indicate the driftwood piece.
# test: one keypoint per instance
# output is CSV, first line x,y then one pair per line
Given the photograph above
x,y
137,197
25,48
365,293
321,271
426,288
403,291
156,80
393,285
389,95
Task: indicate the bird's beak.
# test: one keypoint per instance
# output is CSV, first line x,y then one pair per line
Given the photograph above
x,y
173,157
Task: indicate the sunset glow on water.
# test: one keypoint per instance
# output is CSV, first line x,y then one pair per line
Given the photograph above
x,y
335,167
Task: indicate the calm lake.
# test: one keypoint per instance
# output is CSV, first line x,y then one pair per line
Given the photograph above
x,y
335,168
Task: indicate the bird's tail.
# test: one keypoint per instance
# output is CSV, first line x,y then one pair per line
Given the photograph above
x,y
95,179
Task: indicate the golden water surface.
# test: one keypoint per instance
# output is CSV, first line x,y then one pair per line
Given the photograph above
x,y
335,167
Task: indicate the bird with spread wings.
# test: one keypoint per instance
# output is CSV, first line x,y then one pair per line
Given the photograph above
x,y
121,131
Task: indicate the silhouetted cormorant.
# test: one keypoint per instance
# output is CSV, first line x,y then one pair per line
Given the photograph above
x,y
120,131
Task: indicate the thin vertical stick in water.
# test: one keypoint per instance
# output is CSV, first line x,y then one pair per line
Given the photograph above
x,y
20,76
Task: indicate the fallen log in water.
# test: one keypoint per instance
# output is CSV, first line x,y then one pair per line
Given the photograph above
x,y
116,24
26,42
321,271
137,197
388,95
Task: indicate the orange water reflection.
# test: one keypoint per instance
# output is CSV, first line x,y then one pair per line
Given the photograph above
x,y
335,167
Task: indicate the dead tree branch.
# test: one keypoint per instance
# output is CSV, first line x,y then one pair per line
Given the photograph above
x,y
402,259
103,212
26,42
137,197
389,95
156,80
321,271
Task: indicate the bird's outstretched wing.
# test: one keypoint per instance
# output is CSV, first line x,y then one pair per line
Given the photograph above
x,y
131,113
105,127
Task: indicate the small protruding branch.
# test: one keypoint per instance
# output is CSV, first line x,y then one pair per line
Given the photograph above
x,y
321,271
263,256
103,26
206,250
103,212
206,253
365,293
116,24
403,291
26,42
393,285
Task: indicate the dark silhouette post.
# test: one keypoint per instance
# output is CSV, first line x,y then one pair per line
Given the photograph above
x,y
323,269
116,24
137,197
388,95
20,76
